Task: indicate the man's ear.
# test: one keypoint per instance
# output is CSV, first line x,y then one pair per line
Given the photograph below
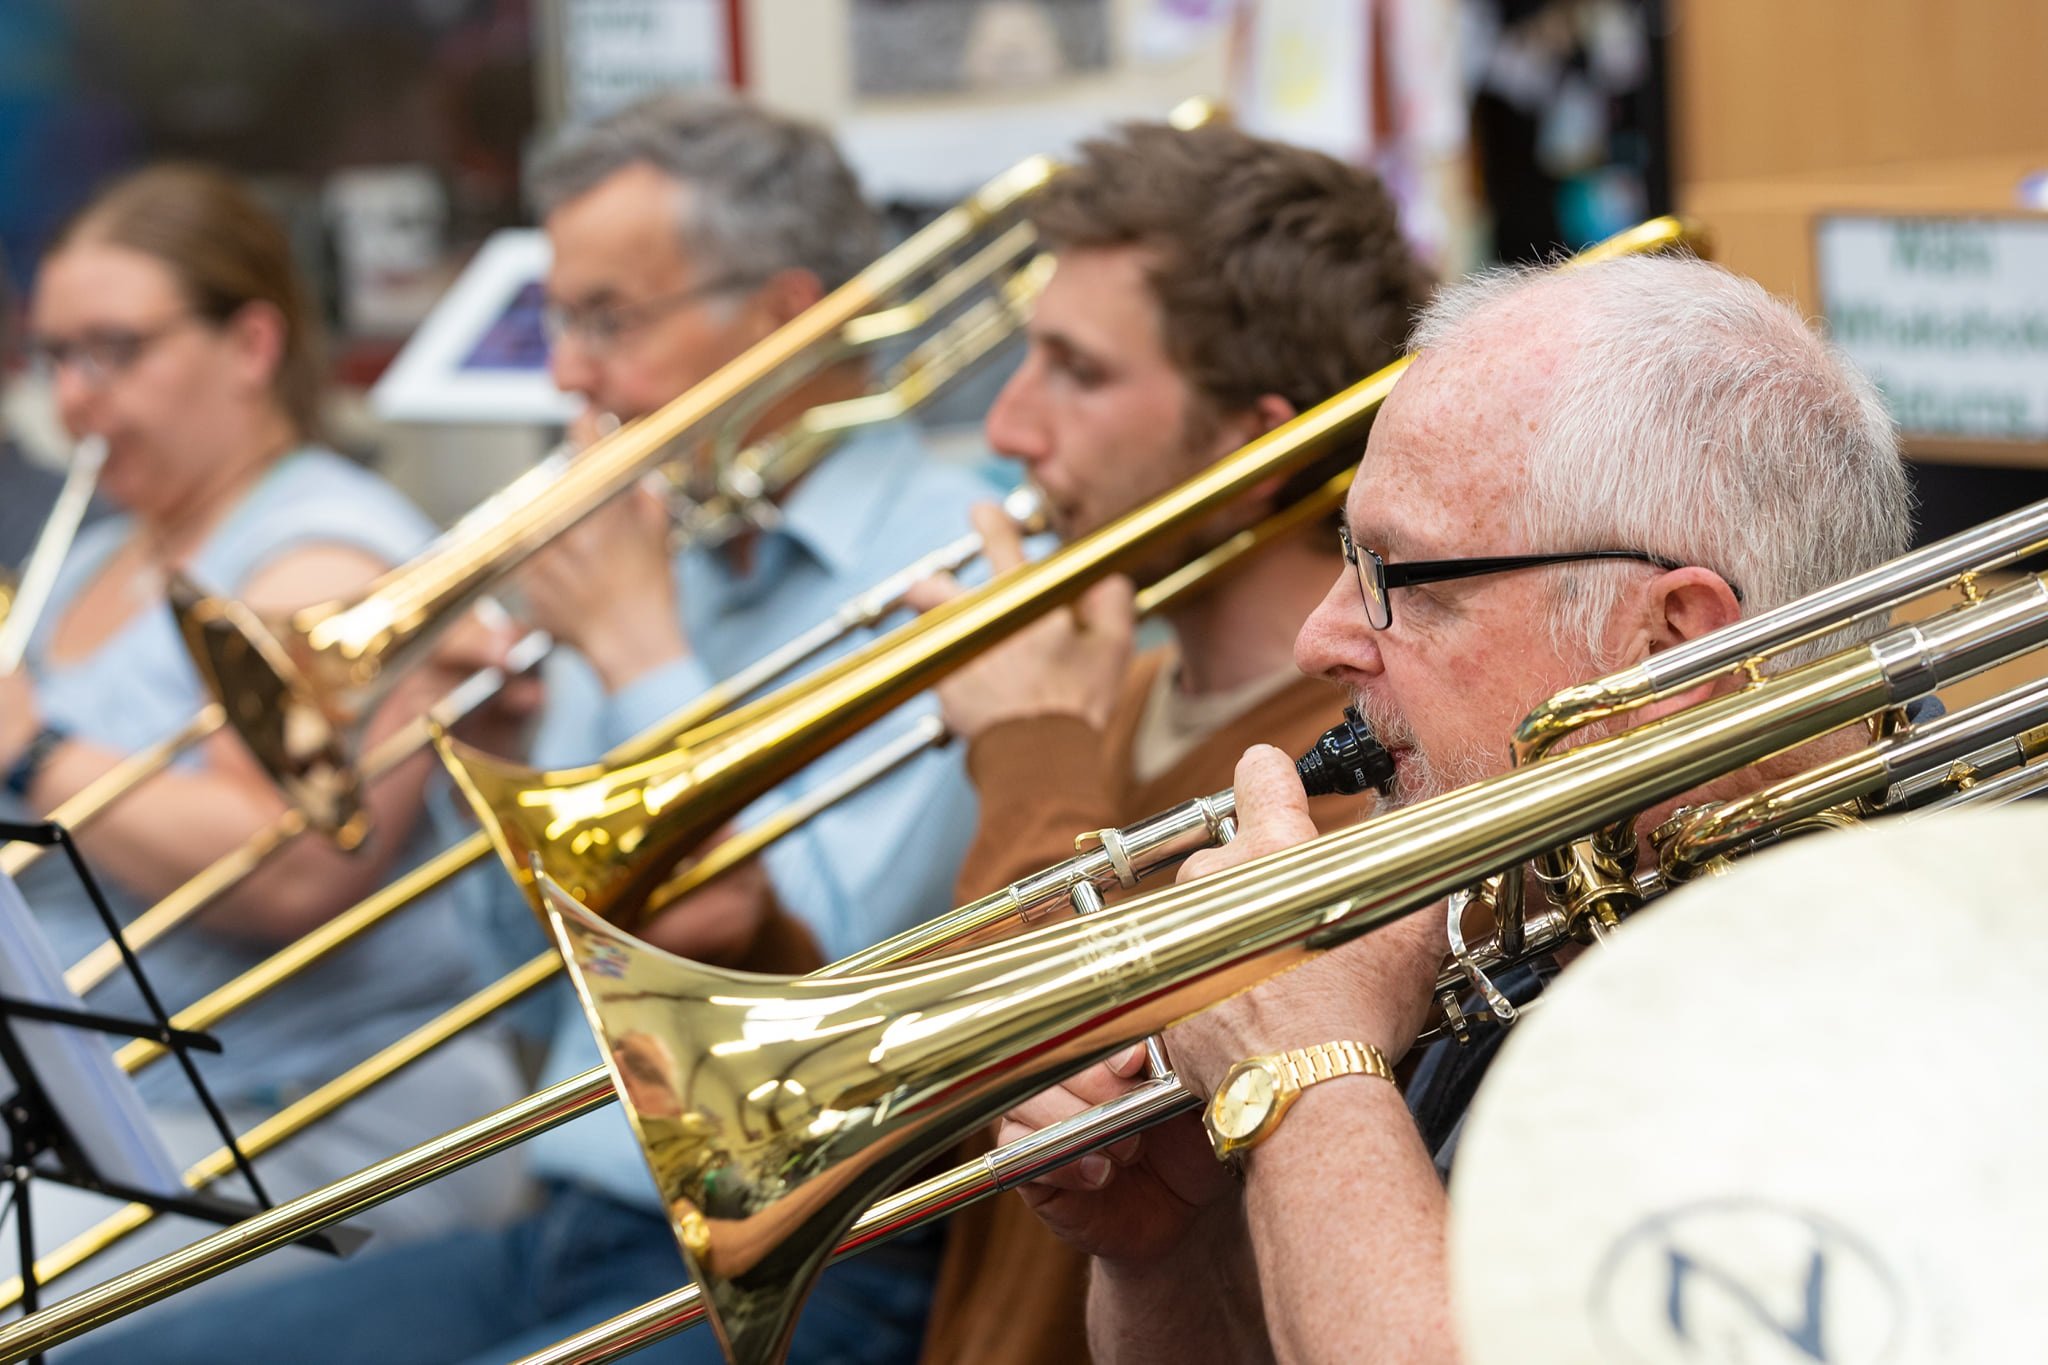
x,y
785,294
1241,428
1687,603
1679,605
1675,606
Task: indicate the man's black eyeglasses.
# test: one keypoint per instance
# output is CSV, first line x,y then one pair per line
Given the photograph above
x,y
1377,578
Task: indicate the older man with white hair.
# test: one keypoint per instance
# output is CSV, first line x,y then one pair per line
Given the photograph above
x,y
1580,470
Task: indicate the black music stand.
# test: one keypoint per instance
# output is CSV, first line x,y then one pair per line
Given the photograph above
x,y
44,1142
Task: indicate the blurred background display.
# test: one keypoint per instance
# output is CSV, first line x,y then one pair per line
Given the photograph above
x,y
391,134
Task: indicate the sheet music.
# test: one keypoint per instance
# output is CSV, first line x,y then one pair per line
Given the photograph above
x,y
98,1101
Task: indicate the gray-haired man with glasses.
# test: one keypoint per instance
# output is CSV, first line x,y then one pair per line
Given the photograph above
x,y
1574,474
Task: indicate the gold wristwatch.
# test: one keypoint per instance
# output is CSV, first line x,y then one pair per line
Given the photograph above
x,y
1247,1107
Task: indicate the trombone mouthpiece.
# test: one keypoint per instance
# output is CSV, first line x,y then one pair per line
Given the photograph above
x,y
1026,506
1347,760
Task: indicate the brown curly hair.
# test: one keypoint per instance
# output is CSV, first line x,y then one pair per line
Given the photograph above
x,y
1276,269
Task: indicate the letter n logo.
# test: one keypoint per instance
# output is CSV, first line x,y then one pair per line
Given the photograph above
x,y
1745,1282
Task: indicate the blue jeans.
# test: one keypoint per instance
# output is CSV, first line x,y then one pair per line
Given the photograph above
x,y
494,1296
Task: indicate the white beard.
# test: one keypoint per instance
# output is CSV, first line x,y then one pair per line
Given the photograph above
x,y
1419,776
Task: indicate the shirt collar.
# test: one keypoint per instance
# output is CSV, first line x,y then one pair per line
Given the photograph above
x,y
832,514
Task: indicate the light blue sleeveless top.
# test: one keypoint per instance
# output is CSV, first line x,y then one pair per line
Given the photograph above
x,y
141,686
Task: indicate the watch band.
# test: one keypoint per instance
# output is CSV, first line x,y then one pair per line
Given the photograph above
x,y
1327,1061
22,774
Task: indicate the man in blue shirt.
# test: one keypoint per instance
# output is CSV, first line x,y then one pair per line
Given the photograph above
x,y
683,232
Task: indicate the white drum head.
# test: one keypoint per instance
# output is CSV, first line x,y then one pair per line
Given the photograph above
x,y
1795,1114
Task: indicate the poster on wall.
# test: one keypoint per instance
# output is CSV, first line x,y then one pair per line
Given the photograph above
x,y
926,47
1302,74
616,51
1949,316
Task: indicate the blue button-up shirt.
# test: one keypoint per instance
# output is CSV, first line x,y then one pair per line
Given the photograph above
x,y
872,865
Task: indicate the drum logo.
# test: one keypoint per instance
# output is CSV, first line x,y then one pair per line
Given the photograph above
x,y
1745,1280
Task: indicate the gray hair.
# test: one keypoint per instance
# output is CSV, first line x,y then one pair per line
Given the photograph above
x,y
1698,417
758,192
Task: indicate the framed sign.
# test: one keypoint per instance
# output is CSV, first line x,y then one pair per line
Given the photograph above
x,y
613,52
1949,315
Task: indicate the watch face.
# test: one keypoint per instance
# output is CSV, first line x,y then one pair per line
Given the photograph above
x,y
1243,1102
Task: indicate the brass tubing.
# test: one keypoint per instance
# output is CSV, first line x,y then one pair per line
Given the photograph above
x,y
309,1213
670,802
1961,557
968,1183
295,694
2013,785
1157,597
960,346
1717,830
1182,582
304,952
727,854
288,1122
207,885
861,334
1713,831
78,810
717,768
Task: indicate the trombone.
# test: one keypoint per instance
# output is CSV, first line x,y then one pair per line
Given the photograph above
x,y
296,694
917,655
1345,760
1342,762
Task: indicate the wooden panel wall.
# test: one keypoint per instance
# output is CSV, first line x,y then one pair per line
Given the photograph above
x,y
1774,87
